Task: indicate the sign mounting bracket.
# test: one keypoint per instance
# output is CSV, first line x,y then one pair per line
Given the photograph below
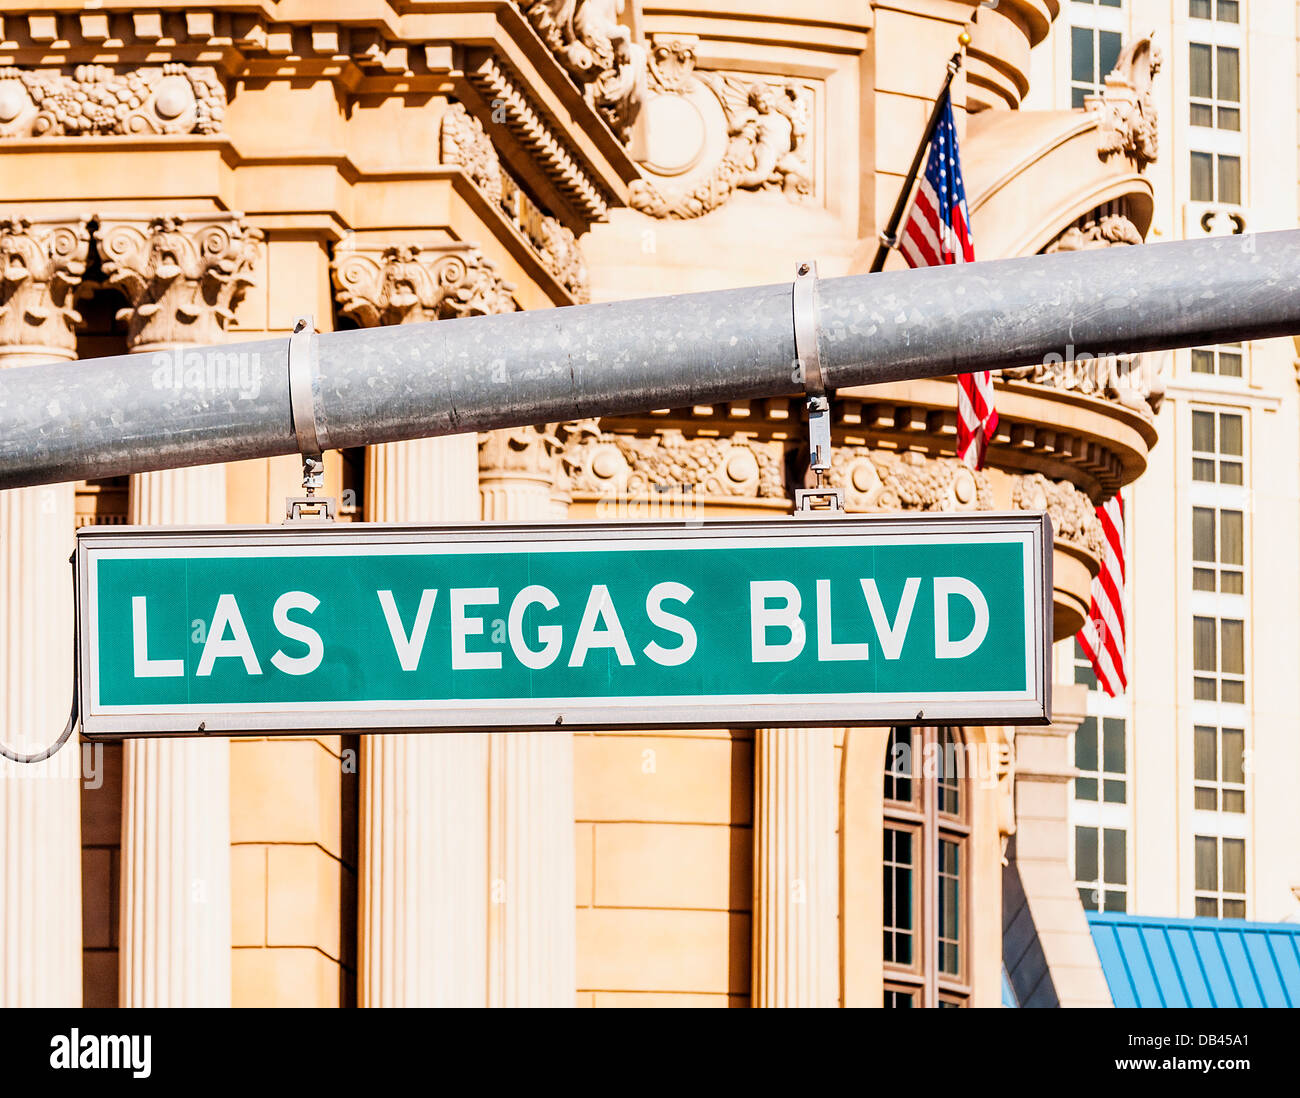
x,y
309,426
822,499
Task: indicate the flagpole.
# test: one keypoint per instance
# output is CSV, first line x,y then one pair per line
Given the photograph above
x,y
889,238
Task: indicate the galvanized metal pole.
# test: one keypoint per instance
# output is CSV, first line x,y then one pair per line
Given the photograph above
x,y
127,414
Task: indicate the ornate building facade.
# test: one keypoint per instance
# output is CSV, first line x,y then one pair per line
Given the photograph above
x,y
180,178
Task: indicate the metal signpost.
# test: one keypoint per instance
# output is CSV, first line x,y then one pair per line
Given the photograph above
x,y
580,625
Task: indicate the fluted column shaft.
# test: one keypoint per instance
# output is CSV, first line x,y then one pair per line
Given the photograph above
x,y
40,807
423,887
532,931
175,925
796,869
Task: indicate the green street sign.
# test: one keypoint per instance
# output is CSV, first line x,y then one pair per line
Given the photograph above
x,y
936,619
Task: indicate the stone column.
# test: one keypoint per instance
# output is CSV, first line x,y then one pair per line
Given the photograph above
x,y
423,875
183,278
40,806
532,929
796,869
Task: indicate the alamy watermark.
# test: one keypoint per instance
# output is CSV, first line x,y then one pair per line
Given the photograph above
x,y
209,370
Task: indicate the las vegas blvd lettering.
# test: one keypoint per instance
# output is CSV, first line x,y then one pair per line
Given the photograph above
x,y
732,624
775,609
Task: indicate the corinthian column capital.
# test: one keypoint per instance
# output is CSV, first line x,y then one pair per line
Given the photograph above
x,y
184,276
41,265
380,284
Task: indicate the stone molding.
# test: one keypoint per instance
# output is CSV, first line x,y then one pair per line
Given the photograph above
x,y
184,275
43,263
464,142
881,480
545,144
97,100
399,284
609,464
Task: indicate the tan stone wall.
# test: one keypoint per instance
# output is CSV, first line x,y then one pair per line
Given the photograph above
x,y
663,826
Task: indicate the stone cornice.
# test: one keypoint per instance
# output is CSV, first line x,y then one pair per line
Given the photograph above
x,y
485,50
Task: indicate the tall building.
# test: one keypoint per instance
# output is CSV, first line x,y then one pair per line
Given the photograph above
x,y
1182,806
177,179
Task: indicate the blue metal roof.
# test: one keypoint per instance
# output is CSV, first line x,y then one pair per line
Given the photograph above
x,y
1008,992
1159,962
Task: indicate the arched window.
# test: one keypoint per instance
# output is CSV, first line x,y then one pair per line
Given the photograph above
x,y
926,870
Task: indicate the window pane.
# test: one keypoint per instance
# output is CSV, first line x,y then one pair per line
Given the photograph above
x,y
1088,899
1113,745
948,786
896,1000
1200,9
1206,690
1230,537
1234,800
1113,842
1116,901
1206,768
949,907
1234,865
1207,800
1202,114
1206,907
898,765
1207,864
1230,186
1202,179
898,862
1203,579
1228,82
1081,62
1229,119
1203,653
1234,909
1078,96
1085,854
1234,750
1233,655
1227,11
1198,74
1233,583
1229,364
1114,790
1203,426
1085,789
1107,52
1234,692
1203,534
1202,361
1085,744
1230,435
1230,472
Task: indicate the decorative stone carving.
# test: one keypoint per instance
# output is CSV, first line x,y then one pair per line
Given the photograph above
x,y
95,100
1103,232
401,284
1073,515
1127,107
598,51
465,143
183,275
608,464
42,269
881,480
522,452
766,127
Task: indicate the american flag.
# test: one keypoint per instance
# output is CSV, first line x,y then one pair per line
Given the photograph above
x,y
937,232
1102,636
